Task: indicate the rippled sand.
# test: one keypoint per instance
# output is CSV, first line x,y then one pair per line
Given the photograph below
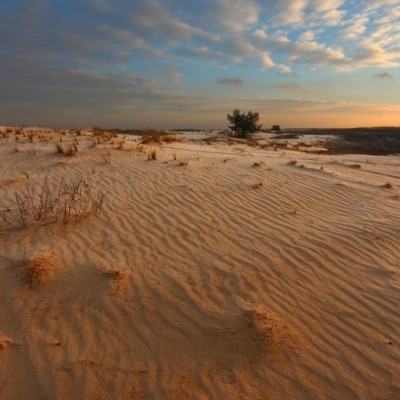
x,y
213,280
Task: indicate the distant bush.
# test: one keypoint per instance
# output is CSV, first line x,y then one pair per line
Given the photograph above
x,y
243,125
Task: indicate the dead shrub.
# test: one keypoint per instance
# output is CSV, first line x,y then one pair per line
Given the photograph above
x,y
71,150
106,157
45,203
171,139
140,148
37,270
92,143
152,155
59,148
154,137
30,136
257,185
116,276
120,145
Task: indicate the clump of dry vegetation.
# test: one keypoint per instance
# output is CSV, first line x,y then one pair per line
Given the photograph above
x,y
120,145
152,155
116,277
103,135
171,139
36,270
106,158
184,162
140,148
151,137
59,148
71,150
66,201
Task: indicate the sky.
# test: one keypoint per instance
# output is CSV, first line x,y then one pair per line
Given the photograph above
x,y
187,63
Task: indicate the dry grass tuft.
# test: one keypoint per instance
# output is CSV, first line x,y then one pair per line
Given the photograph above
x,y
71,151
140,148
37,270
46,203
120,145
184,162
151,137
106,158
171,139
59,148
257,185
116,277
152,155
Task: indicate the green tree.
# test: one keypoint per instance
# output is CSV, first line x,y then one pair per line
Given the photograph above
x,y
243,125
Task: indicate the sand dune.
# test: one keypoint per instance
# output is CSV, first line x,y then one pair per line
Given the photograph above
x,y
211,280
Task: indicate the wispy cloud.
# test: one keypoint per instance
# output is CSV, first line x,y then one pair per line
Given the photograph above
x,y
229,81
290,87
383,75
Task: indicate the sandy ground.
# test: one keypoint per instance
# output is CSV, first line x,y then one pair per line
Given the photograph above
x,y
217,279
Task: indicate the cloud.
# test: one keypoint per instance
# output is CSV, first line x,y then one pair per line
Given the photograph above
x,y
234,15
327,12
267,60
356,27
204,52
383,75
229,81
101,5
292,11
291,87
369,53
284,69
307,36
316,53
